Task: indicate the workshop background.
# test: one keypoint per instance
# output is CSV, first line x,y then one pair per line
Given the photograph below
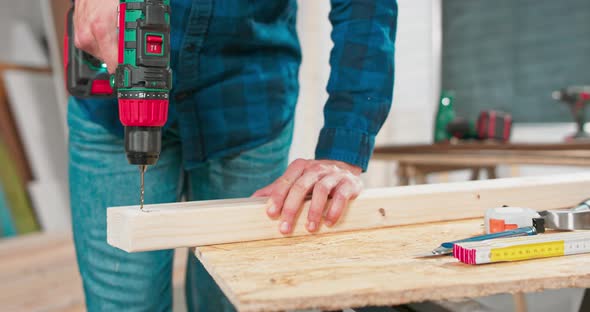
x,y
504,55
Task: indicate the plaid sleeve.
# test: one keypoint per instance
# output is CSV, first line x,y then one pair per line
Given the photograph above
x,y
360,87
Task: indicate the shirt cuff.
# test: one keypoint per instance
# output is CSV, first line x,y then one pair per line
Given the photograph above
x,y
348,145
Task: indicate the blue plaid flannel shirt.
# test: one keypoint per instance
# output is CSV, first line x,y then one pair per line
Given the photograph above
x,y
236,63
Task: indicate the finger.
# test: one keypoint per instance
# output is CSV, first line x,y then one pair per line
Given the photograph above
x,y
345,191
264,192
321,191
106,41
76,26
83,38
296,197
282,186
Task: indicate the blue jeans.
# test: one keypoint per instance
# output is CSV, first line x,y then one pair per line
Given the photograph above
x,y
100,177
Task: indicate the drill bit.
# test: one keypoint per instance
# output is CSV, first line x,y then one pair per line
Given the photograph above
x,y
142,169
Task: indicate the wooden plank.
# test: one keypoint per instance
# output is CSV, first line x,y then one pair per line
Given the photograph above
x,y
174,225
373,267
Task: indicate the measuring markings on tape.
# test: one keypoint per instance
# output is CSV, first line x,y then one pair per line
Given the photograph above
x,y
527,251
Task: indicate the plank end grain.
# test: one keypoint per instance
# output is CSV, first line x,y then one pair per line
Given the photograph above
x,y
119,228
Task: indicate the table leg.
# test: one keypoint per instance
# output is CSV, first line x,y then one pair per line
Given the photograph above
x,y
474,174
519,302
419,176
585,305
402,174
491,172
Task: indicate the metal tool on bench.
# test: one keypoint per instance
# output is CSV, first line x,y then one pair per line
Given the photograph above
x,y
447,247
507,218
577,218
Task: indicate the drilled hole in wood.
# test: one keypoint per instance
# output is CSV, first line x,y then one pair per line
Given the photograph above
x,y
382,212
478,196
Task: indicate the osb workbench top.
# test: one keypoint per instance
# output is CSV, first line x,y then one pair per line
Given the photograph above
x,y
373,267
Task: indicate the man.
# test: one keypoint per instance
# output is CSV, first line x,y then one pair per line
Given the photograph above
x,y
235,66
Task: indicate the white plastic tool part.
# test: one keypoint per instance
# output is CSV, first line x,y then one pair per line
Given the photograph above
x,y
507,218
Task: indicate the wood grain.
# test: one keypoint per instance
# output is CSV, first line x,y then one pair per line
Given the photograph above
x,y
373,267
174,225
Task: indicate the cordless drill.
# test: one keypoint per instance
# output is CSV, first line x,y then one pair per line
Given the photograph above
x,y
576,97
142,80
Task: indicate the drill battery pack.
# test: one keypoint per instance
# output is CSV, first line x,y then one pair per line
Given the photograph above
x,y
494,125
86,76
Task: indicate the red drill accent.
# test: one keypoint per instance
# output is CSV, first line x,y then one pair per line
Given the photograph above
x,y
507,127
101,87
121,25
154,44
66,52
143,113
491,125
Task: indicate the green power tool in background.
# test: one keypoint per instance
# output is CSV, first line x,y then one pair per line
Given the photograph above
x,y
445,114
490,124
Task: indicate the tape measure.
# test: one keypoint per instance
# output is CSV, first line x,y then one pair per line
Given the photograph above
x,y
506,218
528,251
523,248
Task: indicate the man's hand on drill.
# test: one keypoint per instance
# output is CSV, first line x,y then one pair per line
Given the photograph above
x,y
95,26
321,178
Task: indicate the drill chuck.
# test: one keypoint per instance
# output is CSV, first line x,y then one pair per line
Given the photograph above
x,y
143,145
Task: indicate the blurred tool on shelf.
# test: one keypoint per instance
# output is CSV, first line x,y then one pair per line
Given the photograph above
x,y
577,98
491,125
